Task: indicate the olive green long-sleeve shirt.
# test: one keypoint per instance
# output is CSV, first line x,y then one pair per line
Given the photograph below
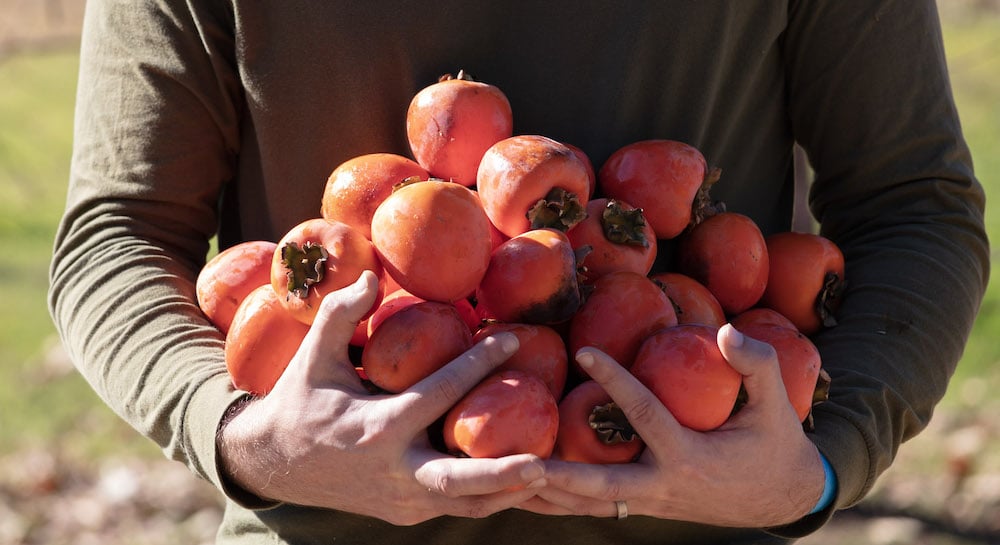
x,y
197,118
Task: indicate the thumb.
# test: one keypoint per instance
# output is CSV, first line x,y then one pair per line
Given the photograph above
x,y
758,363
323,352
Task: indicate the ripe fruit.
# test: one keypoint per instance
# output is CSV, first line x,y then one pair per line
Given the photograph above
x,y
619,237
317,257
693,303
357,186
684,368
593,429
799,360
542,352
531,279
451,123
261,341
433,238
805,280
663,177
619,313
530,182
230,276
509,412
761,315
412,343
727,254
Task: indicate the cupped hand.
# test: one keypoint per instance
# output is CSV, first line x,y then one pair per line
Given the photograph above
x,y
757,470
320,439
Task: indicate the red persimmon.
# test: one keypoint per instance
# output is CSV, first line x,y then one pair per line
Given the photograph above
x,y
663,177
316,257
684,368
509,412
593,429
452,122
531,278
542,352
261,341
727,254
621,310
530,182
413,342
433,238
799,360
619,237
693,302
805,280
230,276
357,186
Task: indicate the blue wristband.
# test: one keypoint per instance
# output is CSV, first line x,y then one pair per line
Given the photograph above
x,y
829,489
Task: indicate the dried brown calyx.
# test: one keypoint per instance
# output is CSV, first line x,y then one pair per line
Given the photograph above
x,y
609,423
304,266
560,210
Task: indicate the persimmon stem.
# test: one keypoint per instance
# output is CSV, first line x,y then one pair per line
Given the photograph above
x,y
304,266
609,423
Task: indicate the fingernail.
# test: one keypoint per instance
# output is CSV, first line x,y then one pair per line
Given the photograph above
x,y
532,472
509,343
585,359
735,337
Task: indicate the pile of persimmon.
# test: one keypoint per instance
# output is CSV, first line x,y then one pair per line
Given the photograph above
x,y
481,230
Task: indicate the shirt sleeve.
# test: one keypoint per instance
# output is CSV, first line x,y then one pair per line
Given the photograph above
x,y
870,102
156,133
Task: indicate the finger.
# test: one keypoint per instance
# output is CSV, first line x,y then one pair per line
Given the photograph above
x,y
457,477
324,349
757,362
427,400
603,483
644,411
553,501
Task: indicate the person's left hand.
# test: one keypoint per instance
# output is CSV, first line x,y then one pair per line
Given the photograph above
x,y
758,470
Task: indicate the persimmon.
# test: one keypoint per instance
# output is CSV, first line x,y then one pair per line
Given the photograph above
x,y
621,310
230,276
315,258
357,186
413,342
451,123
531,182
261,341
541,351
593,428
799,360
693,302
433,238
664,178
619,238
805,280
531,278
509,412
761,315
727,254
684,368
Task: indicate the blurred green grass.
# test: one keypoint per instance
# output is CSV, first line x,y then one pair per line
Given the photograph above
x,y
46,405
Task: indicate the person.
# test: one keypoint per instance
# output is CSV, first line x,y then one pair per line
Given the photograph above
x,y
197,119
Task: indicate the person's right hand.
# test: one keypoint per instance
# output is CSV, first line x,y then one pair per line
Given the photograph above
x,y
320,439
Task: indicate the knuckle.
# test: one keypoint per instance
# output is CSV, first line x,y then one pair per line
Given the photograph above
x,y
642,410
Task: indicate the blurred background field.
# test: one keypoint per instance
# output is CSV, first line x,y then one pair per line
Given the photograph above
x,y
71,472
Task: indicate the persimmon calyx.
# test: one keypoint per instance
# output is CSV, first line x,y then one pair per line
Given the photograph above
x,y
623,226
828,298
703,208
609,423
820,394
304,266
559,209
